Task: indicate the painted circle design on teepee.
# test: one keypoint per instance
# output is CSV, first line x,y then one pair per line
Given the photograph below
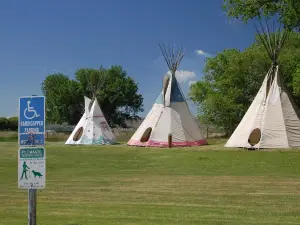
x,y
78,134
254,137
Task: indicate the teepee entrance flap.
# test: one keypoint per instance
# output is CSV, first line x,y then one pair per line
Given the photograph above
x,y
254,137
146,135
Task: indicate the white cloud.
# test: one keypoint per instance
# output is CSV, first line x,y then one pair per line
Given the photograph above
x,y
201,52
183,76
192,82
55,70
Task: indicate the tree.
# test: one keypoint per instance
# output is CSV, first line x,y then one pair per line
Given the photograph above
x,y
9,123
232,80
3,123
64,101
287,10
296,83
115,91
12,123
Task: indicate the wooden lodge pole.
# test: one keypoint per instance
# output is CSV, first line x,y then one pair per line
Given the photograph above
x,y
170,140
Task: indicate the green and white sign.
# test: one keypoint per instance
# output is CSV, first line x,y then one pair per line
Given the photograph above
x,y
32,168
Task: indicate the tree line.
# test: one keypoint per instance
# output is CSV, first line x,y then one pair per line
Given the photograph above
x,y
9,123
117,94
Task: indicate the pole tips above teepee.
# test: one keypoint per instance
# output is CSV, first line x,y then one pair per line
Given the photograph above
x,y
272,39
172,56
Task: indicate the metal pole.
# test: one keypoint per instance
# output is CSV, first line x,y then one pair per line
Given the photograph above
x,y
32,204
32,207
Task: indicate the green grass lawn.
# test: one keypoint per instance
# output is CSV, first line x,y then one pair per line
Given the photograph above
x,y
126,185
12,136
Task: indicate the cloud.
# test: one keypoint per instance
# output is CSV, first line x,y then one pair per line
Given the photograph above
x,y
55,70
183,76
201,52
192,82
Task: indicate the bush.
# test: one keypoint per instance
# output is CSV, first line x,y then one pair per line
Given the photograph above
x,y
3,123
9,124
60,128
13,123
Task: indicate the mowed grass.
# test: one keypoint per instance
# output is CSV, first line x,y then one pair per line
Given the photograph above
x,y
89,185
12,136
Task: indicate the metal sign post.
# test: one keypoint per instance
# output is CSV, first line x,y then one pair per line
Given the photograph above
x,y
32,207
32,154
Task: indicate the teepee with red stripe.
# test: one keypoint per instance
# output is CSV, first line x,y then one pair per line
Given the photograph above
x,y
170,113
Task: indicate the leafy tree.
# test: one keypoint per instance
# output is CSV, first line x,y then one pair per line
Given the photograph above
x,y
9,123
3,123
115,91
12,123
64,101
232,79
296,83
288,10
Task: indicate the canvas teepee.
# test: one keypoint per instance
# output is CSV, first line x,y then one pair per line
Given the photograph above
x,y
92,128
272,120
170,113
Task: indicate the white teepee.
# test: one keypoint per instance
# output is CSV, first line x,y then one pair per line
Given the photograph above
x,y
272,120
92,128
169,115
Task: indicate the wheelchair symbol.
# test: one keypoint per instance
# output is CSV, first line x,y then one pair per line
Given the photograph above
x,y
31,111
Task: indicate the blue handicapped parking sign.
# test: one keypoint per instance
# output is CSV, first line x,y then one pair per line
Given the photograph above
x,y
32,121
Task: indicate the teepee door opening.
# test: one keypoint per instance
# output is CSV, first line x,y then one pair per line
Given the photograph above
x,y
146,135
254,137
78,134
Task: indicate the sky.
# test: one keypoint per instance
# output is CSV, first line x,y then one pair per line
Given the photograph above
x,y
39,38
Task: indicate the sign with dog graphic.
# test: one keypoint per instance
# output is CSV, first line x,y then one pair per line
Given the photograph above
x,y
32,168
